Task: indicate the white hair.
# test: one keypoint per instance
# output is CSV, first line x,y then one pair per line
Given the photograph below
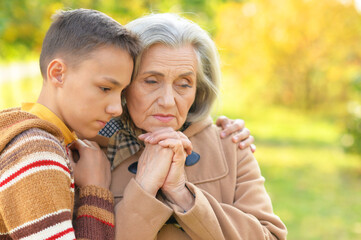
x,y
175,31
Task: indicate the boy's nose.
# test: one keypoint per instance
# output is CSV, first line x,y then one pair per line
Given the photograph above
x,y
115,108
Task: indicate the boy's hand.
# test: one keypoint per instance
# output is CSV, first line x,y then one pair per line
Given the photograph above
x,y
243,137
93,167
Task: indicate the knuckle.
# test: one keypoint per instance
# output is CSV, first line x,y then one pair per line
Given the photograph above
x,y
247,131
239,123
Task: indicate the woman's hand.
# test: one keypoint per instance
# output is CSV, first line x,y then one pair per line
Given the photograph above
x,y
91,166
165,133
174,185
153,167
243,137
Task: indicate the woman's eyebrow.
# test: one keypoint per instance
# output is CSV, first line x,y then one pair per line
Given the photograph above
x,y
186,74
161,74
154,73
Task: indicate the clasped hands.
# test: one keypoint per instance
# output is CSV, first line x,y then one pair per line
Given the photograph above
x,y
161,166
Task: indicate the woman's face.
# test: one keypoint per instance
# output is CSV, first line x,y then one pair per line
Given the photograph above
x,y
164,89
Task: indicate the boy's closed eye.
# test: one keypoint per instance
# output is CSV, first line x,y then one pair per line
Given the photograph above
x,y
105,89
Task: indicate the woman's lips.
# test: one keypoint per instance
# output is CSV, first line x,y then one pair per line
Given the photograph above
x,y
164,118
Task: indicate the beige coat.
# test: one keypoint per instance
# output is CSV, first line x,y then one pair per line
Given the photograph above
x,y
230,199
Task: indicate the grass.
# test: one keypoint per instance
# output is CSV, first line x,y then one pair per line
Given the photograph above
x,y
313,184
314,190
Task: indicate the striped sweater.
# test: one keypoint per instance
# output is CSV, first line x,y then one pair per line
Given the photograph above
x,y
37,186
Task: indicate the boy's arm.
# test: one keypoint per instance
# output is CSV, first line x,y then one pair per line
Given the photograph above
x,y
95,215
36,188
37,191
242,135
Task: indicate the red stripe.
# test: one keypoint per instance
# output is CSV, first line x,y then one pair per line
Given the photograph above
x,y
58,235
72,185
89,216
33,165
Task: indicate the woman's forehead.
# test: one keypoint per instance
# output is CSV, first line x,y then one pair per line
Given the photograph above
x,y
160,55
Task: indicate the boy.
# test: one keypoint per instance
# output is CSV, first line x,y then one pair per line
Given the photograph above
x,y
86,61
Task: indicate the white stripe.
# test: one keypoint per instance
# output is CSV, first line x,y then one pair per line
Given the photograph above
x,y
30,172
29,139
53,230
36,220
72,188
68,236
29,159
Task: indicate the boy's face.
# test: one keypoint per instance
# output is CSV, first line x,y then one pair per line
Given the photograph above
x,y
91,92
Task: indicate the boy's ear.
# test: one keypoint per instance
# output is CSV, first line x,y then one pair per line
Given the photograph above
x,y
56,72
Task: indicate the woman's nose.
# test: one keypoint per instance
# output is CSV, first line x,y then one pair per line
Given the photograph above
x,y
166,98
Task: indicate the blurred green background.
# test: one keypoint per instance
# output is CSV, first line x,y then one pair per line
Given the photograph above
x,y
291,70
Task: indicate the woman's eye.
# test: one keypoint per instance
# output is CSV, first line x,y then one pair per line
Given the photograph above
x,y
186,86
150,81
185,83
105,89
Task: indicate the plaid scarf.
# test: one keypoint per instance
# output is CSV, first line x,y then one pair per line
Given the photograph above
x,y
124,141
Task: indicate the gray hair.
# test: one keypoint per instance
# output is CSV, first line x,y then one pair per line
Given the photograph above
x,y
175,31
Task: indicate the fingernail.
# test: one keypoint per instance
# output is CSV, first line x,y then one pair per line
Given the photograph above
x,y
253,147
223,134
242,145
235,138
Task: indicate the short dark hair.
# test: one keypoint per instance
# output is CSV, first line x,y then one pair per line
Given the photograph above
x,y
74,34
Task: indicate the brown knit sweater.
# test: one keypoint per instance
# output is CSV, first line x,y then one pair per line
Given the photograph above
x,y
37,185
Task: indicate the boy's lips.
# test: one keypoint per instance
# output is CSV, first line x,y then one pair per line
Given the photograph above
x,y
165,118
102,123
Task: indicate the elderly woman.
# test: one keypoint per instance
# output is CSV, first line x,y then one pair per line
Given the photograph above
x,y
180,180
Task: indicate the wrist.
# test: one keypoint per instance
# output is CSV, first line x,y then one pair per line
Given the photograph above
x,y
102,183
147,187
184,198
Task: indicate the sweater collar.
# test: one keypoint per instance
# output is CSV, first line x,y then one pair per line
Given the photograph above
x,y
45,113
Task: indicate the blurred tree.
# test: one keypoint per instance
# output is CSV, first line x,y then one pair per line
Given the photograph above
x,y
23,23
300,54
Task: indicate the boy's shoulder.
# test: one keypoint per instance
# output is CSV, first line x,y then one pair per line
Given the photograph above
x,y
27,141
14,121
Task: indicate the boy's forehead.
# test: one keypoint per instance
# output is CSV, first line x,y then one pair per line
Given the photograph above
x,y
111,64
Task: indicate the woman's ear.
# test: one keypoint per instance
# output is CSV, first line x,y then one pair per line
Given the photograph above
x,y
56,72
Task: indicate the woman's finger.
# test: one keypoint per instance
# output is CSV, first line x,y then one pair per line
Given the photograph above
x,y
155,137
187,144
